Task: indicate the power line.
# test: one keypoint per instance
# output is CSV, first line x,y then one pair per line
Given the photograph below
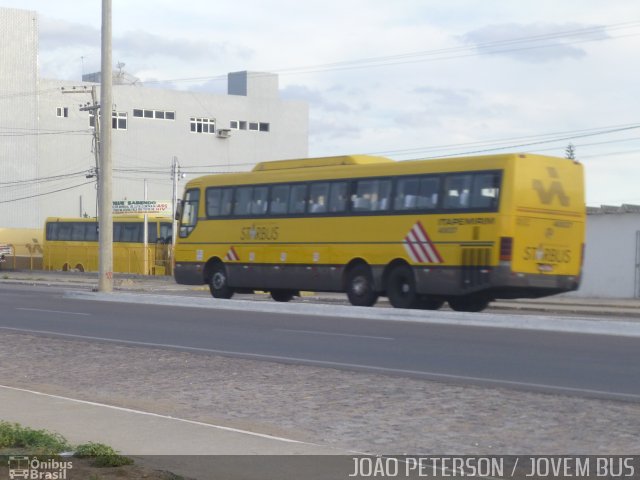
x,y
499,143
479,49
46,193
40,179
42,133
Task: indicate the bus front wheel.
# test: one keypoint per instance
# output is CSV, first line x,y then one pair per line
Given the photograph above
x,y
401,288
360,290
218,283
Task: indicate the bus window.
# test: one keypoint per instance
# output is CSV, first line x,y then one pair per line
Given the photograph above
x,y
279,199
486,190
338,194
318,197
259,200
64,231
130,232
219,201
242,204
91,233
456,191
298,198
152,232
417,193
189,212
77,232
165,232
52,231
371,196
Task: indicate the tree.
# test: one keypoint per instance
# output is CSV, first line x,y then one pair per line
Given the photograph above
x,y
570,152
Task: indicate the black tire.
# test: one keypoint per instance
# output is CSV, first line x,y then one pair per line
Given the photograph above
x,y
360,288
401,288
218,282
469,303
283,295
427,302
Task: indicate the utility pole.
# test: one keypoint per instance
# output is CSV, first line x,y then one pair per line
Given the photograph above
x,y
105,217
175,169
94,109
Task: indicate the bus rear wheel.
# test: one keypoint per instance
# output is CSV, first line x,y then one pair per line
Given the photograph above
x,y
283,295
401,288
218,283
360,289
469,303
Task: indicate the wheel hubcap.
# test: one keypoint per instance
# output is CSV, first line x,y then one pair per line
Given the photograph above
x,y
359,286
218,280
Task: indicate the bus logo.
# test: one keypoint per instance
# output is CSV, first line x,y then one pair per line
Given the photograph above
x,y
555,189
419,246
18,467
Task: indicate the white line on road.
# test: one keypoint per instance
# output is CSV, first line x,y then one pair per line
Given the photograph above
x,y
157,415
315,332
53,311
435,376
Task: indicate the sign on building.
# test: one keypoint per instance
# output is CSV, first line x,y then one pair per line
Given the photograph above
x,y
132,207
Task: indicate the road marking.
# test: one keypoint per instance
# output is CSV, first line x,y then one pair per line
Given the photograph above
x,y
426,375
157,415
315,332
53,311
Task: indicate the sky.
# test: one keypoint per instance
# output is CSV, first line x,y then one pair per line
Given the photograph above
x,y
406,79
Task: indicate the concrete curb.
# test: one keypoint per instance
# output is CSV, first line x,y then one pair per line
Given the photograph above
x,y
586,325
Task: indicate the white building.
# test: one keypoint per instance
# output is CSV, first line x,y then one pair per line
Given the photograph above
x,y
46,140
612,253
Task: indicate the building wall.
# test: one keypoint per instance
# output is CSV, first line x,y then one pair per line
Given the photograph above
x,y
146,148
610,269
18,117
64,144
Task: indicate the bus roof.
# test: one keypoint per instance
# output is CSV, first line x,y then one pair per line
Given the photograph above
x,y
320,162
348,165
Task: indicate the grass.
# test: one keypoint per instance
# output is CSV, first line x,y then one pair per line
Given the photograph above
x,y
103,455
13,435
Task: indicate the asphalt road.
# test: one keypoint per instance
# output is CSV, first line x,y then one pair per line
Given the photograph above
x,y
572,363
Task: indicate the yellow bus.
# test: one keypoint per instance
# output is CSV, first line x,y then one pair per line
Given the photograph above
x,y
72,244
465,231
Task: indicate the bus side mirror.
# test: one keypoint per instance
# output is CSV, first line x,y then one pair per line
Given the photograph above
x,y
178,212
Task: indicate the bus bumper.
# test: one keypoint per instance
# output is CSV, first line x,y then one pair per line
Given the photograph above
x,y
189,273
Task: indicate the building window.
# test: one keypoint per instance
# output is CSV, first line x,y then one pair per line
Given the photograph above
x,y
62,112
253,126
119,120
203,125
160,114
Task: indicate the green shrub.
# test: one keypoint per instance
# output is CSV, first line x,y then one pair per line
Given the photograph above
x,y
103,455
13,435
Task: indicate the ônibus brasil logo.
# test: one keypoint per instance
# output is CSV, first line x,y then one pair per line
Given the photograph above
x,y
35,469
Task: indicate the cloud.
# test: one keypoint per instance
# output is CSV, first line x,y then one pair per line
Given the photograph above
x,y
450,99
316,99
57,34
535,43
145,44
